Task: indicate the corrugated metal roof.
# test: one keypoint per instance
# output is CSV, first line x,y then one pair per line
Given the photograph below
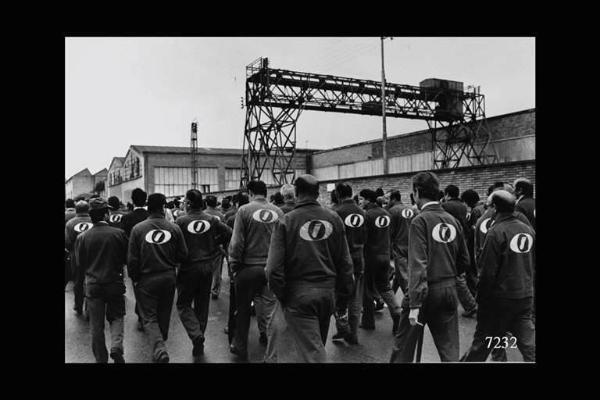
x,y
183,150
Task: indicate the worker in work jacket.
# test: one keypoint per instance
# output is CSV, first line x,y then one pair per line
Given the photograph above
x,y
76,225
506,285
402,216
309,263
204,234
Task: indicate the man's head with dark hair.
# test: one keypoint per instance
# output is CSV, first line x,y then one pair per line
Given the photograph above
x,y
333,197
355,198
277,198
470,197
98,209
503,201
490,189
498,184
426,187
226,203
156,203
379,192
114,203
176,202
139,197
395,196
211,201
452,191
344,191
70,203
243,198
257,188
523,187
193,197
307,186
369,195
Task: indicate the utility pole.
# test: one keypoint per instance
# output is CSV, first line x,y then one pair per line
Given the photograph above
x,y
194,153
383,103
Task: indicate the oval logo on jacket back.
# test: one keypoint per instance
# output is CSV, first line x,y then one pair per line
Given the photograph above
x,y
486,224
521,243
354,220
82,227
198,227
115,218
382,221
407,213
443,233
158,236
316,229
265,216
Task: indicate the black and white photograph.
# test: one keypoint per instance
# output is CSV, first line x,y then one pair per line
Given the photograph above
x,y
300,199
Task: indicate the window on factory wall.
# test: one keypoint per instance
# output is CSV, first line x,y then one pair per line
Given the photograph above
x,y
232,178
172,181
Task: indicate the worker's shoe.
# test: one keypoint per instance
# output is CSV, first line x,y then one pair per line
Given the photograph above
x,y
117,356
351,338
338,337
198,349
379,305
163,358
396,323
242,355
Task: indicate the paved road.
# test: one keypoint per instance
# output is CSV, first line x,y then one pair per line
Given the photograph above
x,y
375,346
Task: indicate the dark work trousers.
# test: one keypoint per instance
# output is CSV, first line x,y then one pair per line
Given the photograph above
x,y
67,268
251,284
400,275
494,319
307,313
232,310
155,293
78,289
216,276
193,286
439,312
464,294
106,301
368,316
380,272
347,312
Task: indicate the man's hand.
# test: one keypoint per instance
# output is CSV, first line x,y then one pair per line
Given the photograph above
x,y
413,317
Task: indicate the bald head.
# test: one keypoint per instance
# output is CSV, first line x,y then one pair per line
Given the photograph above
x,y
82,206
307,186
503,201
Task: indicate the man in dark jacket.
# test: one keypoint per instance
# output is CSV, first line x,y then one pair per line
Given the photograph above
x,y
377,259
436,255
248,251
525,201
211,209
128,221
505,293
348,312
101,252
80,223
402,216
69,210
309,262
116,215
156,247
203,235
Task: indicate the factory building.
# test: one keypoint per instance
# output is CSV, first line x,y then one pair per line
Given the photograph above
x,y
84,183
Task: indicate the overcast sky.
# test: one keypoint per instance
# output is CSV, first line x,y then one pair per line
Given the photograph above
x,y
124,91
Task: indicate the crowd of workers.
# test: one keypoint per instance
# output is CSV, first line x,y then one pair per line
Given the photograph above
x,y
294,263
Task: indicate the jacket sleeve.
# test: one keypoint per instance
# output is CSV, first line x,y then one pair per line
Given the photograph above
x,y
237,244
463,259
224,232
275,269
125,243
133,257
68,243
79,260
394,227
181,254
345,270
417,263
488,264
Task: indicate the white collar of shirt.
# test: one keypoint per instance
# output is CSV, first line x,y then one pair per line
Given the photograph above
x,y
429,203
139,208
520,198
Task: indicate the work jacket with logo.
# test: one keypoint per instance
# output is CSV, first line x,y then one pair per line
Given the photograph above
x,y
155,245
203,234
378,223
484,223
309,249
252,229
436,251
131,219
354,219
402,215
115,219
76,225
101,252
507,260
215,212
526,205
